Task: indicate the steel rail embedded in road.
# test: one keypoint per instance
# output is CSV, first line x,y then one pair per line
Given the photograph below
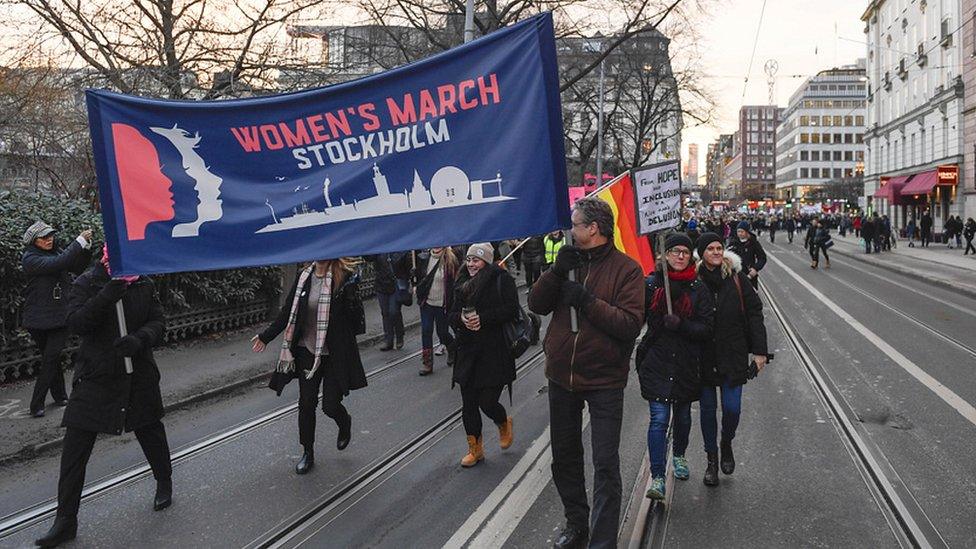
x,y
288,532
30,516
908,521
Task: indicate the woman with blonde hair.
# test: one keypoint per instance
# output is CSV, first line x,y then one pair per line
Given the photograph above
x,y
321,318
435,291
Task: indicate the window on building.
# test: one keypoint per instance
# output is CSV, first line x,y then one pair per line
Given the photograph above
x,y
837,155
848,156
804,138
859,138
804,173
848,120
859,156
838,138
837,173
804,120
858,120
848,138
815,138
815,173
838,121
825,120
815,156
804,155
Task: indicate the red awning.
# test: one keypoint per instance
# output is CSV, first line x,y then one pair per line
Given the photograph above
x,y
921,183
890,189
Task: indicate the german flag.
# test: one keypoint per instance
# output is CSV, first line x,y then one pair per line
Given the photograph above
x,y
620,196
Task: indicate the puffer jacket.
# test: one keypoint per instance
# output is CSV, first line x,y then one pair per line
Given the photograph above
x,y
49,277
738,324
669,362
751,251
483,357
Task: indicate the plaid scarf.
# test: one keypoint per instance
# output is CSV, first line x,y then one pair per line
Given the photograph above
x,y
286,362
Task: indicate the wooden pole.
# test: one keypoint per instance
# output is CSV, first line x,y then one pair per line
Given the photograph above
x,y
664,270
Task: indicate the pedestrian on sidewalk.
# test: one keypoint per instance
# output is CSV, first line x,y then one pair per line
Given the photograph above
x,y
773,227
533,257
589,368
551,244
747,246
485,299
969,232
106,399
738,331
926,227
857,226
435,290
867,233
669,358
391,275
886,234
910,230
321,318
49,273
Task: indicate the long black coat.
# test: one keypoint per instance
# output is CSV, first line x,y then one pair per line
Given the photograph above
x,y
346,319
49,275
104,398
751,251
738,330
534,251
669,362
483,357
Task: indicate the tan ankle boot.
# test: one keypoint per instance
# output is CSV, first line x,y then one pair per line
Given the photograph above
x,y
427,361
505,434
476,452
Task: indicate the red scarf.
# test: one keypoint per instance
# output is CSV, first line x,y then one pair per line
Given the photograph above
x,y
682,304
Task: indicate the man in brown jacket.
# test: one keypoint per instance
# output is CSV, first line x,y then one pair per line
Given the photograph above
x,y
589,367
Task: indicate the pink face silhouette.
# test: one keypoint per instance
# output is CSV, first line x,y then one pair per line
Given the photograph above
x,y
146,195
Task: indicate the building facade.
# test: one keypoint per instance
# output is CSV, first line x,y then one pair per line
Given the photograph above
x,y
915,133
690,175
719,155
757,131
820,143
968,183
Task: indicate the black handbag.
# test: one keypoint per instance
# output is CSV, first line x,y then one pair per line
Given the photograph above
x,y
520,330
404,294
279,380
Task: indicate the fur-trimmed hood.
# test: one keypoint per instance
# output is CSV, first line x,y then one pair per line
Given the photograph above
x,y
731,263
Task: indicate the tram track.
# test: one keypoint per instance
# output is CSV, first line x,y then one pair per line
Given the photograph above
x,y
908,521
303,525
29,516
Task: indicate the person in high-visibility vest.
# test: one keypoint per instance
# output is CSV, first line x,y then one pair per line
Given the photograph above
x,y
553,241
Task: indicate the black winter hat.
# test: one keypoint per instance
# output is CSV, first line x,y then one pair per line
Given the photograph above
x,y
744,225
677,239
706,239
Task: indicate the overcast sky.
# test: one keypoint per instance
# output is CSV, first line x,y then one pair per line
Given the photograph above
x,y
799,34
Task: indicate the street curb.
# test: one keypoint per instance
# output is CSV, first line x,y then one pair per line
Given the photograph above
x,y
35,450
941,283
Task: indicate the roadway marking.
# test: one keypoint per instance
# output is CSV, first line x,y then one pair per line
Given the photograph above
x,y
511,500
952,399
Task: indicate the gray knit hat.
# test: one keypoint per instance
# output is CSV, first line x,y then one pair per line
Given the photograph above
x,y
483,251
39,229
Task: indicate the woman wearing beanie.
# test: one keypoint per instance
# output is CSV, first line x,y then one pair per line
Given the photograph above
x,y
484,300
745,244
669,355
738,331
321,318
435,289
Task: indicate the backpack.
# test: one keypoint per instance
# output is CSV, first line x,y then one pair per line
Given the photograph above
x,y
521,330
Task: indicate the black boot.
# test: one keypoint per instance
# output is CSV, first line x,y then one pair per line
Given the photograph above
x,y
62,530
164,495
711,471
387,346
451,354
728,460
399,343
345,432
572,538
307,462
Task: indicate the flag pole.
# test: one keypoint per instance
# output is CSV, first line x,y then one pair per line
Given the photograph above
x,y
123,331
664,271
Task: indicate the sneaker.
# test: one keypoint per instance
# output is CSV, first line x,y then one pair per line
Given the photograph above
x,y
439,349
680,467
656,491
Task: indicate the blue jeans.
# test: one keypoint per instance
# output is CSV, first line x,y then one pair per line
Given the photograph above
x,y
731,411
657,433
431,317
392,317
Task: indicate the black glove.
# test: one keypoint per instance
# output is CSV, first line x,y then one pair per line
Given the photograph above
x,y
128,345
568,258
574,294
672,322
114,289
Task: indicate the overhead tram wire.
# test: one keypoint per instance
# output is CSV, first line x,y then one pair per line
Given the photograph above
x,y
755,43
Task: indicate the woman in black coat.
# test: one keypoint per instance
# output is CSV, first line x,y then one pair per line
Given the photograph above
x,y
104,398
485,299
319,353
49,273
745,244
738,331
533,257
669,355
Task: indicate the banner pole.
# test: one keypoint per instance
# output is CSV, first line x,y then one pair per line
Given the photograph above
x,y
123,331
573,314
664,271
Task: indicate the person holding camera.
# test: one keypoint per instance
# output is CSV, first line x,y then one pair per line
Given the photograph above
x,y
485,299
738,330
321,318
49,277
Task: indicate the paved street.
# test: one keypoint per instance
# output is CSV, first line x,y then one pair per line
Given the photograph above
x,y
897,349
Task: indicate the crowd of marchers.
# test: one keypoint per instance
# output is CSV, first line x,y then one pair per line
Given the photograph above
x,y
704,339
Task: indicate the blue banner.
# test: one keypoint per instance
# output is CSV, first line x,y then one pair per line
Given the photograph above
x,y
464,146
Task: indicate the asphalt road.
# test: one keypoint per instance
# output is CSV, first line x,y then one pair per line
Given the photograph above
x,y
796,483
